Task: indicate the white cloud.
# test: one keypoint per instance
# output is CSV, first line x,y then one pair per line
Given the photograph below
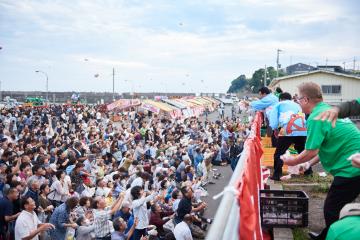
x,y
114,33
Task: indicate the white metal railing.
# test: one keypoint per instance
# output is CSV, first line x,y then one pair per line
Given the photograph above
x,y
227,218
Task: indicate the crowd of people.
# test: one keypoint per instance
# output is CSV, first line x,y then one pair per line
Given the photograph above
x,y
69,172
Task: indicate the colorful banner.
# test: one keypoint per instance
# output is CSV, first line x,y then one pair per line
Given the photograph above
x,y
158,98
176,114
150,107
123,103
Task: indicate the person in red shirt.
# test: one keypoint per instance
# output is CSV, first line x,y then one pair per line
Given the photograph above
x,y
159,218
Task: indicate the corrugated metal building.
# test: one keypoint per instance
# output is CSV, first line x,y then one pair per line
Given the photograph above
x,y
336,87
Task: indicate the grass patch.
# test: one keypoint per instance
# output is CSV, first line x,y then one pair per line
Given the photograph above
x,y
315,178
322,184
321,188
300,234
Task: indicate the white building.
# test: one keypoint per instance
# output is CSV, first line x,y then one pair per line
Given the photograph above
x,y
336,87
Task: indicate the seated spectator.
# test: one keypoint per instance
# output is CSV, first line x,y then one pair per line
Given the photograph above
x,y
7,214
84,206
124,212
182,230
85,229
140,210
61,219
27,225
102,216
58,191
120,226
159,218
33,190
45,205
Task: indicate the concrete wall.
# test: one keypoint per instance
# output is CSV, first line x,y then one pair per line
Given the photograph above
x,y
350,87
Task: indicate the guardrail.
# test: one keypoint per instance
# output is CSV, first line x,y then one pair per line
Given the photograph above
x,y
227,218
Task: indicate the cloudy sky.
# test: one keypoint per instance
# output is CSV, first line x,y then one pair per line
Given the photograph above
x,y
169,45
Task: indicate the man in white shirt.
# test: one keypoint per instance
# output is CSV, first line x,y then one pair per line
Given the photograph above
x,y
139,206
98,117
138,181
28,226
182,230
87,191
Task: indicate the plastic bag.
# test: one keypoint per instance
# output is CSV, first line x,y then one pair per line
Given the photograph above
x,y
70,234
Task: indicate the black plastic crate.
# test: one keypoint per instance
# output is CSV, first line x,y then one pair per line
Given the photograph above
x,y
280,208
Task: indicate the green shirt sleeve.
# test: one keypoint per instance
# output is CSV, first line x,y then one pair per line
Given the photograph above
x,y
316,133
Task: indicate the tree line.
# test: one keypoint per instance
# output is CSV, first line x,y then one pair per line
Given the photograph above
x,y
252,84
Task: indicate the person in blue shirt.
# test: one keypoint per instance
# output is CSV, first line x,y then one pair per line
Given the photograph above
x,y
225,134
225,153
288,123
61,218
198,158
266,101
190,149
124,212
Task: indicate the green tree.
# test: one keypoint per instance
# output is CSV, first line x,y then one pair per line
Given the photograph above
x,y
238,84
257,79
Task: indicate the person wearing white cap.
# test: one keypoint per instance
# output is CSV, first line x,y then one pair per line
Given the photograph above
x,y
347,227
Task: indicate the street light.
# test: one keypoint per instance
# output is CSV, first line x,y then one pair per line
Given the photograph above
x,y
278,62
47,83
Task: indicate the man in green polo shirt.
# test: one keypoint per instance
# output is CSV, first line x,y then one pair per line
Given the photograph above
x,y
332,146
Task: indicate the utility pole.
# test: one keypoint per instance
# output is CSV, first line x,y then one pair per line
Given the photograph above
x,y
344,66
326,62
354,64
113,85
265,76
277,62
47,83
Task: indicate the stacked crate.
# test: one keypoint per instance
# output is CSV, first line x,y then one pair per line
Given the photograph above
x,y
268,156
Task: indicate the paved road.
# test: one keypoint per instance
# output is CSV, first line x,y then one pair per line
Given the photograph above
x,y
220,183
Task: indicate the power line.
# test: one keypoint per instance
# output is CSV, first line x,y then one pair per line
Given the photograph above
x,y
354,64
